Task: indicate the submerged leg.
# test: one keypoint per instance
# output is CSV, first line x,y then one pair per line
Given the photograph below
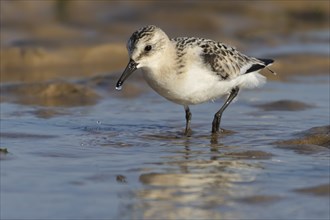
x,y
217,116
188,119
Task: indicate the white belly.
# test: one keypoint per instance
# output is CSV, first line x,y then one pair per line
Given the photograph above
x,y
197,85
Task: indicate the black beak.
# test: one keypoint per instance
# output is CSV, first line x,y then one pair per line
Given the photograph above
x,y
131,67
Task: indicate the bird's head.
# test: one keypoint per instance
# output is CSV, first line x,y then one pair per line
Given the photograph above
x,y
145,48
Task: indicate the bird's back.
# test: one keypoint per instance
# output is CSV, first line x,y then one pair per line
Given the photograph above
x,y
221,59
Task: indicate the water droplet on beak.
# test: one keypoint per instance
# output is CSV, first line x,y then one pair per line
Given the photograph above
x,y
118,88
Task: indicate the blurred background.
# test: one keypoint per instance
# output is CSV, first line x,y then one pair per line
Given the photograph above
x,y
43,40
72,147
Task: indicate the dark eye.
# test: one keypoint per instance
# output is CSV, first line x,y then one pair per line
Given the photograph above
x,y
147,48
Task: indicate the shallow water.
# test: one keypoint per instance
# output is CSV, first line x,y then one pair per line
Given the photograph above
x,y
127,159
72,147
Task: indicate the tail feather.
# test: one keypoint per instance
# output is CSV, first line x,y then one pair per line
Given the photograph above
x,y
266,61
255,67
265,64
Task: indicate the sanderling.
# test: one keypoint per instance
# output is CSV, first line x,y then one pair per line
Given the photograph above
x,y
190,70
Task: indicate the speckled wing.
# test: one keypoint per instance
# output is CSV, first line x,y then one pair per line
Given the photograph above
x,y
227,62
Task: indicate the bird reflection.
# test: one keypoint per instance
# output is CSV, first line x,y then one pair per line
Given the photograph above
x,y
194,177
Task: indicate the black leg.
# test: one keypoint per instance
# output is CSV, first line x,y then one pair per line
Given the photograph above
x,y
217,116
188,119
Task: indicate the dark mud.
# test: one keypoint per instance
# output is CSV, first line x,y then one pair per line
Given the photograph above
x,y
50,94
285,105
321,190
313,140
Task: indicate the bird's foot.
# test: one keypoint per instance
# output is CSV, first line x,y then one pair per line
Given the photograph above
x,y
218,131
188,132
216,126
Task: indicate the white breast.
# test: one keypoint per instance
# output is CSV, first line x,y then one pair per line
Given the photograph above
x,y
195,86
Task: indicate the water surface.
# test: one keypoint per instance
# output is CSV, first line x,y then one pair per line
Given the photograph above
x,y
128,159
